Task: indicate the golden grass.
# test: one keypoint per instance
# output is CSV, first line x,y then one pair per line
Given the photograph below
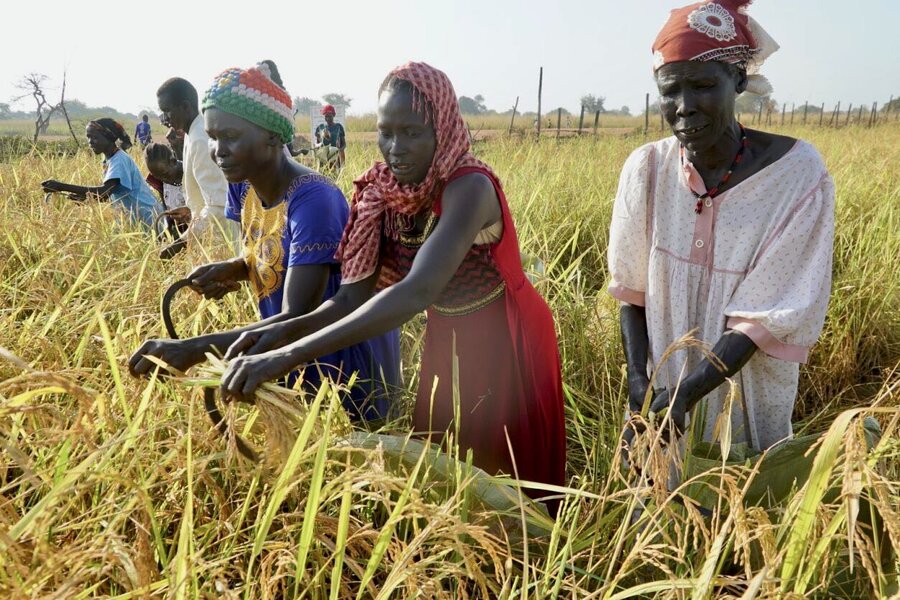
x,y
114,487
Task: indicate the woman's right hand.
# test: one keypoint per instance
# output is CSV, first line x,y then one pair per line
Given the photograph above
x,y
215,280
179,354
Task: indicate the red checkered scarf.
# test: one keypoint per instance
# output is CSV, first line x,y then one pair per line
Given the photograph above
x,y
377,194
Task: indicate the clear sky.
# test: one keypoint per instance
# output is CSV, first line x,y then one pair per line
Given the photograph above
x,y
117,53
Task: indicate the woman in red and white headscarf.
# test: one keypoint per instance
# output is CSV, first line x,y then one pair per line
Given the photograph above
x,y
430,230
720,230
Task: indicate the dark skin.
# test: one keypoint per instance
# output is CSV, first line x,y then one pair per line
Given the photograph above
x,y
169,170
697,101
244,152
100,143
469,203
176,113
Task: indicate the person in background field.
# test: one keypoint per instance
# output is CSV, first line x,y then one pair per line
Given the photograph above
x,y
430,229
720,229
205,188
142,131
292,220
165,177
123,185
332,134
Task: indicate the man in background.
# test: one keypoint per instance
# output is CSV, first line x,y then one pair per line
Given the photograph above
x,y
142,131
205,188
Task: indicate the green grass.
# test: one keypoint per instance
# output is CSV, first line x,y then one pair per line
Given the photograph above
x,y
115,487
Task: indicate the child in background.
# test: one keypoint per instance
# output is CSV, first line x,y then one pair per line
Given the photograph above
x,y
123,184
165,176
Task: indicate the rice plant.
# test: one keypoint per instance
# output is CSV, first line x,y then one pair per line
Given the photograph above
x,y
121,488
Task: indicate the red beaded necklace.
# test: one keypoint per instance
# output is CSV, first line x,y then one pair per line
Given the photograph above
x,y
712,193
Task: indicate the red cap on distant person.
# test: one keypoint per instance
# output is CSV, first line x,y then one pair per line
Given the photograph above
x,y
328,110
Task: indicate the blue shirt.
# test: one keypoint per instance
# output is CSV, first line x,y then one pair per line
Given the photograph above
x,y
132,194
142,132
306,229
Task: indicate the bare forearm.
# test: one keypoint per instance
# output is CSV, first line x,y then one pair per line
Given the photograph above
x,y
387,310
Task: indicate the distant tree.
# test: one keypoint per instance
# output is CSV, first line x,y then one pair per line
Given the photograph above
x,y
654,108
33,85
472,106
336,99
751,103
625,111
5,111
555,111
303,105
593,103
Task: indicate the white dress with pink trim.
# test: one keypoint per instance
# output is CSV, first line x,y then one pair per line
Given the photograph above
x,y
757,259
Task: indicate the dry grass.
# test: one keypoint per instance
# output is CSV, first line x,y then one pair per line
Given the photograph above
x,y
114,487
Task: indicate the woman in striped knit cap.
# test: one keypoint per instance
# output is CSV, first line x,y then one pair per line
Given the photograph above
x,y
292,219
430,230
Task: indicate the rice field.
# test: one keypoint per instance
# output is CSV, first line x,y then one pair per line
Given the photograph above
x,y
120,488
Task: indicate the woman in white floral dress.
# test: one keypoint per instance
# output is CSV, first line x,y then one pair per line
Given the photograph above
x,y
722,231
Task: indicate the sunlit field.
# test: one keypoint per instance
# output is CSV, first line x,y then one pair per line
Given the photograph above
x,y
117,487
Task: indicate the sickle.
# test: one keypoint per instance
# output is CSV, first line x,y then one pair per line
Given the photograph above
x,y
209,394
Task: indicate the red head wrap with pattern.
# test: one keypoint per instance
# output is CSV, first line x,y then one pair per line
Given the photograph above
x,y
378,192
719,30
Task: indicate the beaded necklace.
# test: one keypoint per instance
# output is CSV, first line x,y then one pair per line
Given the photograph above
x,y
712,193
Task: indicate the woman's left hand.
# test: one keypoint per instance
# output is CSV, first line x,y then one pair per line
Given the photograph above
x,y
245,374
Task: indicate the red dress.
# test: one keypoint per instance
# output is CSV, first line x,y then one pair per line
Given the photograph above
x,y
508,358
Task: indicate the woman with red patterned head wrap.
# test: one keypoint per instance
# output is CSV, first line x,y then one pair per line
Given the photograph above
x,y
720,230
430,230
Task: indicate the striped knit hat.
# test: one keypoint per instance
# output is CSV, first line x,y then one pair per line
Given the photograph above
x,y
252,95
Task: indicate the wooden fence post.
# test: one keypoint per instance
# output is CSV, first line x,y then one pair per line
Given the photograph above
x,y
859,116
646,113
558,121
513,119
540,87
874,112
581,120
662,121
822,115
834,116
783,109
849,111
596,122
805,111
793,110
